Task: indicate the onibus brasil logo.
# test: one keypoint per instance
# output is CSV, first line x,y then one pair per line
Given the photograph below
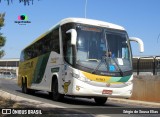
x,y
22,20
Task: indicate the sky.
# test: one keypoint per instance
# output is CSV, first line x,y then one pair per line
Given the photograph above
x,y
140,18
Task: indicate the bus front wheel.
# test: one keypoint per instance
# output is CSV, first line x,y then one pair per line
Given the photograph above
x,y
100,100
56,96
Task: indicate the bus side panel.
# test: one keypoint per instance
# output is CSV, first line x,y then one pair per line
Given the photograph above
x,y
26,70
40,68
47,66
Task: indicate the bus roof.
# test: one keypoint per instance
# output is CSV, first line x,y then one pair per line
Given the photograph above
x,y
91,22
82,21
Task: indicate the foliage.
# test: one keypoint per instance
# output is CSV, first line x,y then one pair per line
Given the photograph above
x,y
2,19
2,38
25,2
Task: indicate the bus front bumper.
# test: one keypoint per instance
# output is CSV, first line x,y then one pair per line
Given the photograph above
x,y
81,88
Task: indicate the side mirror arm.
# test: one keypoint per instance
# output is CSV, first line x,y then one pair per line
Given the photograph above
x,y
139,41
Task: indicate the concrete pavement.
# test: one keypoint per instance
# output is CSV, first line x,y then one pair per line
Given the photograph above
x,y
38,104
26,101
135,102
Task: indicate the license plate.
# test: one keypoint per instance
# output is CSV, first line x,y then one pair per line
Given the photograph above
x,y
107,92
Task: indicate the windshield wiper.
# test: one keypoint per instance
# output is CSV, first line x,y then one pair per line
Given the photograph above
x,y
101,61
119,69
107,64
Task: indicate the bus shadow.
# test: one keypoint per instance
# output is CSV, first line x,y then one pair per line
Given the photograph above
x,y
72,100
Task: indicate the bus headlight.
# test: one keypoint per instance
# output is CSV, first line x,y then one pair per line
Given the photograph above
x,y
82,78
75,75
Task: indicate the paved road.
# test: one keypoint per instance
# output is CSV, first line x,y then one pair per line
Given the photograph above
x,y
9,85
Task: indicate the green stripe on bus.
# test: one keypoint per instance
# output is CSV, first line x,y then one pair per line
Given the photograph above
x,y
40,68
114,79
124,79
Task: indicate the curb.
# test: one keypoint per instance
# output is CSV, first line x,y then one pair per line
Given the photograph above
x,y
135,102
121,100
25,101
38,104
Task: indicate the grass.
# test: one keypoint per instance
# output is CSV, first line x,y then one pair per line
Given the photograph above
x,y
7,103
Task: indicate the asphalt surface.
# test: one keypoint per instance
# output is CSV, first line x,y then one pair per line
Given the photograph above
x,y
112,108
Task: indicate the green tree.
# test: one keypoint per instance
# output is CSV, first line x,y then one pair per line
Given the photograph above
x,y
25,2
2,38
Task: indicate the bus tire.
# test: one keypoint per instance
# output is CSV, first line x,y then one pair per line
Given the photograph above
x,y
100,100
56,96
24,86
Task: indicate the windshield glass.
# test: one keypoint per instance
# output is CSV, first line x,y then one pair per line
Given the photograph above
x,y
103,50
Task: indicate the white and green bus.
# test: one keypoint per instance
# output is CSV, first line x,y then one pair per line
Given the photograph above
x,y
79,57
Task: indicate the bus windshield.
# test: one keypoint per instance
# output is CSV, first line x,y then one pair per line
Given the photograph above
x,y
94,43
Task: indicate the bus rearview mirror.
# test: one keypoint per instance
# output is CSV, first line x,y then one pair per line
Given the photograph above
x,y
73,36
139,41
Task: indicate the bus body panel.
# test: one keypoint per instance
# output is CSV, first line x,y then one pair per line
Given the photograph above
x,y
85,89
39,70
69,84
79,84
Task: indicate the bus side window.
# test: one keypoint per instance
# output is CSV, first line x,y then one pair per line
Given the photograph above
x,y
29,55
54,42
22,56
45,46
